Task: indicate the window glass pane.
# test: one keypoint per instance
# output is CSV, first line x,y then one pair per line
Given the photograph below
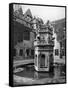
x,y
27,35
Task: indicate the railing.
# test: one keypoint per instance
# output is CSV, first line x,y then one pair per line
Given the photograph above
x,y
46,31
43,42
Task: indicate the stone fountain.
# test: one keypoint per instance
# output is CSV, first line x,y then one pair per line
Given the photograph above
x,y
44,44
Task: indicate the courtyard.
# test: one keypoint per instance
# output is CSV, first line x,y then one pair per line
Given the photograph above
x,y
25,74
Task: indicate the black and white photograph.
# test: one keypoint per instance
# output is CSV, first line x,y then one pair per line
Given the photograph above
x,y
38,44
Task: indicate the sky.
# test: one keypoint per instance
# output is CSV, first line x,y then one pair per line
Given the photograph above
x,y
45,12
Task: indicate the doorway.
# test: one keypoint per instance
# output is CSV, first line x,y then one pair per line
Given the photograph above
x,y
42,61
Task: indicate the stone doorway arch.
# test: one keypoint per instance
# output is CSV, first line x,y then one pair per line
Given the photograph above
x,y
42,60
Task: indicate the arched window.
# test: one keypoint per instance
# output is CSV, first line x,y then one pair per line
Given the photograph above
x,y
27,52
21,52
